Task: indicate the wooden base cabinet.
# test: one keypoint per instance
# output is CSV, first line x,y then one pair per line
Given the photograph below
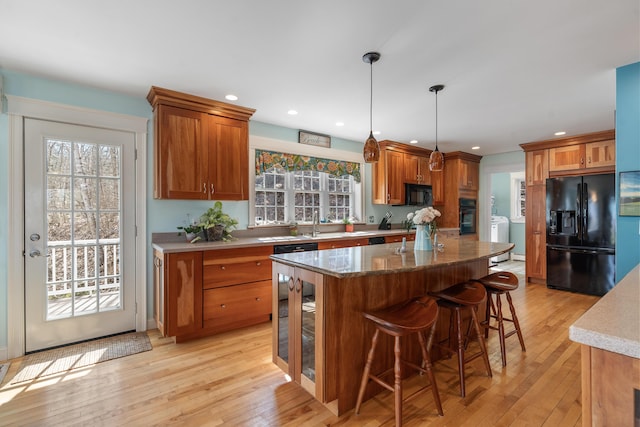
x,y
298,326
201,293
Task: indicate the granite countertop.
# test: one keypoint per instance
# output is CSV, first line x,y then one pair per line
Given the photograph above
x,y
383,259
613,323
171,243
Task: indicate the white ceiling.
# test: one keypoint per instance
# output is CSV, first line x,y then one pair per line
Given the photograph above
x,y
514,71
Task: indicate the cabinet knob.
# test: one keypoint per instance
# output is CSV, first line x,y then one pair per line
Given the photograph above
x,y
222,267
258,263
223,306
257,298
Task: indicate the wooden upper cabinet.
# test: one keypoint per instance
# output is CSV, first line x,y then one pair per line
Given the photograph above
x,y
468,173
388,178
566,158
600,154
537,166
416,169
180,154
201,147
228,159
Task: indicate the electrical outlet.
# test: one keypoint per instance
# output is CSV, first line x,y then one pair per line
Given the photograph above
x,y
372,219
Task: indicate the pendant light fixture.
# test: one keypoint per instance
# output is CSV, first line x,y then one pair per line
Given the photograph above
x,y
436,159
371,152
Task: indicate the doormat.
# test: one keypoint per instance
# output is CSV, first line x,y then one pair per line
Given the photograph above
x,y
87,353
4,368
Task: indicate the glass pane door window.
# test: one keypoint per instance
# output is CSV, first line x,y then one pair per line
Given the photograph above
x,y
83,211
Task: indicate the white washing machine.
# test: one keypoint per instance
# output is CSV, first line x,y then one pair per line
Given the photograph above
x,y
500,234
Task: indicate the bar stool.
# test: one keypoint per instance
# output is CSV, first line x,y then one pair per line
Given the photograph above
x,y
414,316
498,284
463,296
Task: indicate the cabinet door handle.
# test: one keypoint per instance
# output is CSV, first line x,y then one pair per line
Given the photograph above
x,y
291,283
298,285
388,196
223,306
212,190
204,187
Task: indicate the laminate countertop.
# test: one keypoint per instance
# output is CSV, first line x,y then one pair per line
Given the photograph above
x,y
171,243
613,323
385,259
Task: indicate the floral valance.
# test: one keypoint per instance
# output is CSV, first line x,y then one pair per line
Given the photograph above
x,y
296,162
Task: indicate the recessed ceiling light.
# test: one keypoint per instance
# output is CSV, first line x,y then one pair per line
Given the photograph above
x,y
413,141
376,132
339,124
560,133
292,112
475,148
231,97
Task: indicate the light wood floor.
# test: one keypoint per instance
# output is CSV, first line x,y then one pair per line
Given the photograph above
x,y
229,380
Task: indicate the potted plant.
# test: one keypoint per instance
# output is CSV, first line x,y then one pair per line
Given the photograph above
x,y
348,225
217,224
191,232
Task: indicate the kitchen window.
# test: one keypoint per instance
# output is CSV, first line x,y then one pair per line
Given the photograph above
x,y
518,196
289,188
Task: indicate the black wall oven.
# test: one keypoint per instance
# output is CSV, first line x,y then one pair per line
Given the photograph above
x,y
468,216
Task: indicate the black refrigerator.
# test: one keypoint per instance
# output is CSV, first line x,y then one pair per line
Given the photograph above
x,y
581,230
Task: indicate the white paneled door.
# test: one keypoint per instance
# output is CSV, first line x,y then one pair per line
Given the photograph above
x,y
79,233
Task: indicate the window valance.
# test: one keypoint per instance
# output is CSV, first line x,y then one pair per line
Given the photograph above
x,y
296,162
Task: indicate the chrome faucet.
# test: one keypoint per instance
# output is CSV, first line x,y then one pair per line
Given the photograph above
x,y
315,220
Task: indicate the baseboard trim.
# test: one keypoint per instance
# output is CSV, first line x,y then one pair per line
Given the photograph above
x,y
151,324
517,257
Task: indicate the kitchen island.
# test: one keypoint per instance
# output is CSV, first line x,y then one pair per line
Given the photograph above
x,y
609,334
320,337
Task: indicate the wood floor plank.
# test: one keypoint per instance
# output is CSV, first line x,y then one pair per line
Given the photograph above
x,y
229,379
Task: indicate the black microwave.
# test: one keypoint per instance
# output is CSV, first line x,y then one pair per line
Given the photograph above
x,y
418,195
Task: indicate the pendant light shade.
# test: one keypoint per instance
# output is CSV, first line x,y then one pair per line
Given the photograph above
x,y
436,159
371,152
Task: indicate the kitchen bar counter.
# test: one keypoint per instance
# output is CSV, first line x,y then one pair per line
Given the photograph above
x,y
320,337
613,323
386,259
610,336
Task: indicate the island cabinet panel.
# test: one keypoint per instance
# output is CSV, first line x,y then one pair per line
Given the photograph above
x,y
609,383
201,147
298,328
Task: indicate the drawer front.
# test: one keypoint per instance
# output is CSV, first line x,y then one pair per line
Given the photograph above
x,y
233,273
335,244
236,304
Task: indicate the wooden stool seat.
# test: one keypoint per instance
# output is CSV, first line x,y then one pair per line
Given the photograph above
x,y
463,296
411,317
499,284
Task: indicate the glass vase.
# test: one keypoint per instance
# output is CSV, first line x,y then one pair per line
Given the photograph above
x,y
423,238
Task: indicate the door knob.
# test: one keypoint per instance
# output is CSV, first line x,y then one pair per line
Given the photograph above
x,y
34,253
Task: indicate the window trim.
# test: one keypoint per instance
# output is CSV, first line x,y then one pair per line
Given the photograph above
x,y
264,143
516,179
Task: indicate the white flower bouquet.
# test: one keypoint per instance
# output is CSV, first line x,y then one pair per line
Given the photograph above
x,y
425,216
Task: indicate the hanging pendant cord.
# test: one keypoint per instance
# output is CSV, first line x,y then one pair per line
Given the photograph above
x,y
436,120
371,98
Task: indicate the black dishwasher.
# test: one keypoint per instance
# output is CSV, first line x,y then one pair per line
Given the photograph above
x,y
295,247
378,240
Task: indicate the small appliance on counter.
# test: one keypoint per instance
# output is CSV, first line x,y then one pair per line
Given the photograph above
x,y
385,224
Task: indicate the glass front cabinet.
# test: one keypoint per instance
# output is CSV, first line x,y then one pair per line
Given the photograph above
x,y
298,337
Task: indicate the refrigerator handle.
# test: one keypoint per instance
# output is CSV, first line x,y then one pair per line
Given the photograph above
x,y
585,208
578,227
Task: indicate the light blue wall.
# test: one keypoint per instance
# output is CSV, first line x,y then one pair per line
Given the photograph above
x,y
627,159
501,190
